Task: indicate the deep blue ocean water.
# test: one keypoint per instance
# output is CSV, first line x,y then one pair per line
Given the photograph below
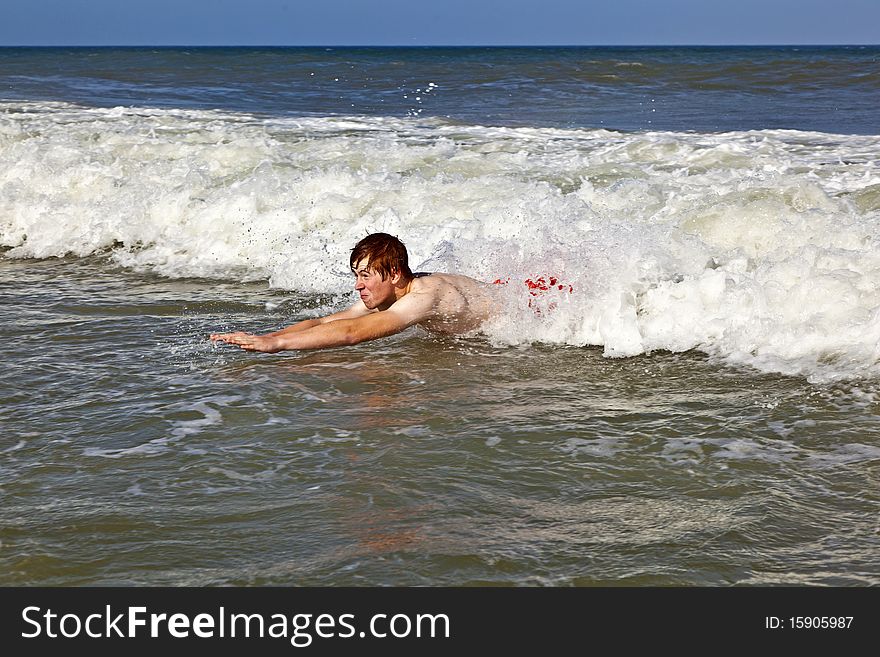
x,y
828,89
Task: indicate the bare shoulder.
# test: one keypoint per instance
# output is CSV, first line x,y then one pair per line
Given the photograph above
x,y
448,283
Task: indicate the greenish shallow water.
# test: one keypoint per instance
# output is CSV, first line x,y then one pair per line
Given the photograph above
x,y
134,452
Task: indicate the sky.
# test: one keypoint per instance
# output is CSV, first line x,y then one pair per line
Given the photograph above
x,y
439,22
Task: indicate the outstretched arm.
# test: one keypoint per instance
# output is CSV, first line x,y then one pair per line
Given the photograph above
x,y
356,310
346,328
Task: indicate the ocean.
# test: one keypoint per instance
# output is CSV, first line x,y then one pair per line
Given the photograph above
x,y
698,406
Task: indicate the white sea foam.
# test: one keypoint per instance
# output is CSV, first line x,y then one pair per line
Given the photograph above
x,y
760,248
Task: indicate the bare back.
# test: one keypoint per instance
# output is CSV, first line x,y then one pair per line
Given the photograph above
x,y
445,303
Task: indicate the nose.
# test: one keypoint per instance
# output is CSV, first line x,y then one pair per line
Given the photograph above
x,y
358,285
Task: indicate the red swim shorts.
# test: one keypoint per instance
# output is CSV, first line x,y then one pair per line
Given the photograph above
x,y
538,287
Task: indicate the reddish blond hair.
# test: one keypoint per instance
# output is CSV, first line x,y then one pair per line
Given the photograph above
x,y
385,254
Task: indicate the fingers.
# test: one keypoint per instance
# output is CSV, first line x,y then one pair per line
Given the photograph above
x,y
243,340
226,337
246,341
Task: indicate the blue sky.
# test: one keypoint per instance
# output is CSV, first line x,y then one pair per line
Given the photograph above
x,y
442,22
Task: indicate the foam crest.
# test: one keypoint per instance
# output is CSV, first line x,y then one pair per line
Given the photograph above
x,y
759,248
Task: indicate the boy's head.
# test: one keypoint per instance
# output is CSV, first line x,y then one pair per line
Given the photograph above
x,y
383,253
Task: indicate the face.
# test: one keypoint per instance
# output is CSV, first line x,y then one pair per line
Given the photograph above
x,y
374,292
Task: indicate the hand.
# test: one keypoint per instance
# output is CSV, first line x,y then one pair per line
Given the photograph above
x,y
249,342
224,337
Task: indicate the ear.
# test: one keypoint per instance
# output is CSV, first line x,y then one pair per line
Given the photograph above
x,y
395,276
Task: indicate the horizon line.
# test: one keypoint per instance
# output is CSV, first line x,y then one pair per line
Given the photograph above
x,y
442,45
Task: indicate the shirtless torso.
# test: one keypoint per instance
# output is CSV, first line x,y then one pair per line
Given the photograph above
x,y
457,304
444,303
